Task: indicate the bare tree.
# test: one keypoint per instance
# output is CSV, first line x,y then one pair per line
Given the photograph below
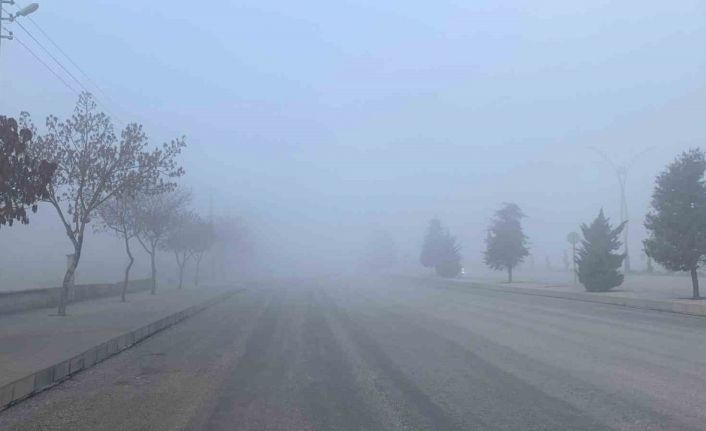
x,y
182,240
155,215
95,164
204,238
118,215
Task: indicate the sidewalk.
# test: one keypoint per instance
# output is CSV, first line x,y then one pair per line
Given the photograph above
x,y
659,292
35,340
640,285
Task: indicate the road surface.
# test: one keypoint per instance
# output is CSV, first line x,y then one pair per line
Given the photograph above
x,y
354,354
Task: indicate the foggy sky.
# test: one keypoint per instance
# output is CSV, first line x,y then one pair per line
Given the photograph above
x,y
321,120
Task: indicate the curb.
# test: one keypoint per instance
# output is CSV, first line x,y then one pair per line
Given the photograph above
x,y
23,388
692,309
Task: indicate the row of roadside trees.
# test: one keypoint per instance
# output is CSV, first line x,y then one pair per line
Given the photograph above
x,y
506,244
676,225
86,171
159,222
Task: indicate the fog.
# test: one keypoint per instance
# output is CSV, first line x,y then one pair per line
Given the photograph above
x,y
319,122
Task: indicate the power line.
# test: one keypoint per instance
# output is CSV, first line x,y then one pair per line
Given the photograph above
x,y
58,48
68,72
61,65
53,72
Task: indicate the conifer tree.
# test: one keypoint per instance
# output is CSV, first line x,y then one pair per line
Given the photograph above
x,y
677,222
506,244
431,249
449,258
597,264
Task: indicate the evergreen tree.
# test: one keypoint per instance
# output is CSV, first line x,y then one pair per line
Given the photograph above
x,y
597,264
506,244
431,249
449,258
677,222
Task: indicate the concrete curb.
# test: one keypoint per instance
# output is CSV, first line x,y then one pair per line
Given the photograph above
x,y
23,388
691,308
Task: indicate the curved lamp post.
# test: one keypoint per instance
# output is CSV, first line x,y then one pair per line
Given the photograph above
x,y
29,9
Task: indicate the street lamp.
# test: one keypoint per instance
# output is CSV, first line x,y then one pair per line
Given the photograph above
x,y
621,171
30,8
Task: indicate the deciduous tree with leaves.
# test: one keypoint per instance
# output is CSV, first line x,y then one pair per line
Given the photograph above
x,y
24,179
506,244
95,164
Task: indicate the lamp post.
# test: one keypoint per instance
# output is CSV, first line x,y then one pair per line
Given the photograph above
x,y
621,171
30,8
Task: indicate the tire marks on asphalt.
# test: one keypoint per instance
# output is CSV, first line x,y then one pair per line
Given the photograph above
x,y
476,393
414,398
332,398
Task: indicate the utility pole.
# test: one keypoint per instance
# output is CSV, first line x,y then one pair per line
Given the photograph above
x,y
2,36
621,172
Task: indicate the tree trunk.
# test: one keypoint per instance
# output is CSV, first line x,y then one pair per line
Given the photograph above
x,y
181,264
154,271
509,274
68,280
695,283
196,273
573,254
127,270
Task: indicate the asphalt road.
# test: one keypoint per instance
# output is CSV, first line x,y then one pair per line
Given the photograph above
x,y
353,354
